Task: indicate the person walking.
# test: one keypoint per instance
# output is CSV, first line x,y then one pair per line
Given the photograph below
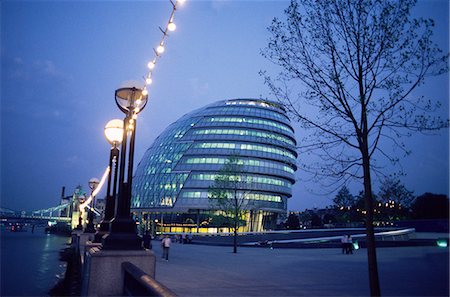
x,y
344,240
165,244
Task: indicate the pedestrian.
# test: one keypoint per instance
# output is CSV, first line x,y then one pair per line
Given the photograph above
x,y
183,237
189,237
165,244
344,240
349,245
147,240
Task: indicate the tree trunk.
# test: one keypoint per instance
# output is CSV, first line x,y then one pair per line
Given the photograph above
x,y
236,218
370,236
235,238
363,134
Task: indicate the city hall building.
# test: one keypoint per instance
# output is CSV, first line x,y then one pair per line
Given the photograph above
x,y
171,182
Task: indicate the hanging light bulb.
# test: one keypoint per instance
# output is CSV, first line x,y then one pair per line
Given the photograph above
x,y
171,26
160,49
181,2
148,81
144,92
151,64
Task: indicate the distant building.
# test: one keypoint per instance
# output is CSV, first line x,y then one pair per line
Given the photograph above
x,y
170,186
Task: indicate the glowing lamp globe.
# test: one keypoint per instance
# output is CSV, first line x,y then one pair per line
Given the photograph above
x,y
131,99
114,131
171,26
160,49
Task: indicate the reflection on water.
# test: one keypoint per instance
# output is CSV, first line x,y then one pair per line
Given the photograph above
x,y
30,263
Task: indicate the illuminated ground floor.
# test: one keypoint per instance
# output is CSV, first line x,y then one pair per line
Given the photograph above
x,y
204,221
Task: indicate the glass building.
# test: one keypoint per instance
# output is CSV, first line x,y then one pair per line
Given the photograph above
x,y
171,182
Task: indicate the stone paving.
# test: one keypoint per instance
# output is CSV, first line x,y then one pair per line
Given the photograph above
x,y
199,270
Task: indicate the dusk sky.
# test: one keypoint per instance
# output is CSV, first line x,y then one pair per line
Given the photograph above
x,y
61,62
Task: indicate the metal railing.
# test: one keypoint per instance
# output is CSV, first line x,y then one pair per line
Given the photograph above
x,y
138,283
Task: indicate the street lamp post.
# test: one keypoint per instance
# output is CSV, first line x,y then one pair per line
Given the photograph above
x,y
93,183
130,101
114,135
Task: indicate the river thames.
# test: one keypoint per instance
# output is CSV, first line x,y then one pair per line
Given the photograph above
x,y
30,264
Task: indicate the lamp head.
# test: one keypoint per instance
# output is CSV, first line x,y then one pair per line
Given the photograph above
x,y
93,183
131,98
114,131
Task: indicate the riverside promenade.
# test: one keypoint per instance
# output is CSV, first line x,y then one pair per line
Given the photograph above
x,y
202,270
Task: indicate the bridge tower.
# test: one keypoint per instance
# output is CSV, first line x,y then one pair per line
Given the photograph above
x,y
78,197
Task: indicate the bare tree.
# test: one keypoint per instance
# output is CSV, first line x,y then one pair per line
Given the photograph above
x,y
227,194
348,72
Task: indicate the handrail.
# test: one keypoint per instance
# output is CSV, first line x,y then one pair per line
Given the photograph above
x,y
138,283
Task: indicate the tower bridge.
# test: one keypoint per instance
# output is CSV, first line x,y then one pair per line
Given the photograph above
x,y
68,211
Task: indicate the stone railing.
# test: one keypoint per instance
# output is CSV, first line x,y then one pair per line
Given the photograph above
x,y
138,283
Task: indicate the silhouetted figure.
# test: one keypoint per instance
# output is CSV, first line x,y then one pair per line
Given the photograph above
x,y
349,245
344,241
147,240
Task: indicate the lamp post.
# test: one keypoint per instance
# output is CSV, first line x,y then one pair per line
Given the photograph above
x,y
114,134
93,183
130,101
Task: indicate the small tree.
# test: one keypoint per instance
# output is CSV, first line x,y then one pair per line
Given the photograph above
x,y
344,199
430,206
293,222
316,221
227,194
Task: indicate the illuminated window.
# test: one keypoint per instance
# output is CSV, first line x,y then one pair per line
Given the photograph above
x,y
245,133
248,179
251,121
249,196
247,162
249,147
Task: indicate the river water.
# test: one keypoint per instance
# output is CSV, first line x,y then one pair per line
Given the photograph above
x,y
30,263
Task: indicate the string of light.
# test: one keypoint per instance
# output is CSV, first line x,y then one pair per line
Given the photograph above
x,y
95,192
160,49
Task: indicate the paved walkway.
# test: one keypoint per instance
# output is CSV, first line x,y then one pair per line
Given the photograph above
x,y
199,270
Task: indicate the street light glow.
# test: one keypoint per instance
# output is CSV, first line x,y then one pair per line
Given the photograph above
x,y
151,65
160,49
171,26
97,189
114,131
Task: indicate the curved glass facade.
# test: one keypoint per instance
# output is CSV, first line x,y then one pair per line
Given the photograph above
x,y
171,181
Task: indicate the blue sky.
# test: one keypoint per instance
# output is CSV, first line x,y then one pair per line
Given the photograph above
x,y
62,60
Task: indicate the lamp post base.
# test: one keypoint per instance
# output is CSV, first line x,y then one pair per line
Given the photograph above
x,y
122,236
122,241
104,229
89,228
